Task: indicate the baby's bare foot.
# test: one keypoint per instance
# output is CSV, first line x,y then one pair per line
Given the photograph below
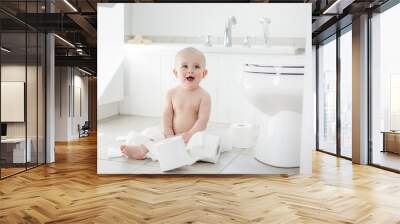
x,y
134,151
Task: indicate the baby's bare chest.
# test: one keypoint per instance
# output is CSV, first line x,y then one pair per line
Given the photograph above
x,y
186,103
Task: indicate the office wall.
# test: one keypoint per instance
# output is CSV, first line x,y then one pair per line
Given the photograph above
x,y
62,80
71,87
80,109
33,126
25,63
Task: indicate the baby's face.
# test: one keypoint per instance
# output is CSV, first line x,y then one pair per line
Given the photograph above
x,y
189,69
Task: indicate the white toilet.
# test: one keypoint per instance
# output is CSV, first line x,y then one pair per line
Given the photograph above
x,y
278,93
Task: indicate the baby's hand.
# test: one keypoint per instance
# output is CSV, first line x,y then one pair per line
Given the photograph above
x,y
186,137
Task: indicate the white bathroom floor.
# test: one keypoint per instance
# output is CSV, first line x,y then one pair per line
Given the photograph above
x,y
235,161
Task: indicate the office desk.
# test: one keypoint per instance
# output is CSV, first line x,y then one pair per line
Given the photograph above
x,y
16,148
391,141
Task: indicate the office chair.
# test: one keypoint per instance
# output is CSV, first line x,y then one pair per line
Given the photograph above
x,y
84,130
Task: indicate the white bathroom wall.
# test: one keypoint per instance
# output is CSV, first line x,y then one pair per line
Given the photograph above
x,y
127,18
209,19
107,110
110,33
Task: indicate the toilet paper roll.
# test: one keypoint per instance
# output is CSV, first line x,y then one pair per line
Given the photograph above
x,y
171,153
224,135
242,135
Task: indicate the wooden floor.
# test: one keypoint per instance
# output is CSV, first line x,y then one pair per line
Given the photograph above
x,y
70,191
10,171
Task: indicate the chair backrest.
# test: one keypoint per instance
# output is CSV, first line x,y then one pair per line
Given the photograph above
x,y
86,125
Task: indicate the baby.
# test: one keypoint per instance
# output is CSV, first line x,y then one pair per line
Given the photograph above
x,y
187,107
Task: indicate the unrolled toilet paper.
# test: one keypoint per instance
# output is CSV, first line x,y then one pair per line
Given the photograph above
x,y
242,135
154,134
135,138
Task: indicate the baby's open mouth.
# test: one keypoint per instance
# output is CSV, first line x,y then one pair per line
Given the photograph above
x,y
190,78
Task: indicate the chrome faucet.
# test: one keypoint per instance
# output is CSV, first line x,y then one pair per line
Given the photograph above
x,y
228,31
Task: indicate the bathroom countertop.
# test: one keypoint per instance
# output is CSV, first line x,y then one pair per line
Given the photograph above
x,y
238,49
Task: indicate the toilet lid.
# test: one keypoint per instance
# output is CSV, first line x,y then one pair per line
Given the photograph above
x,y
274,69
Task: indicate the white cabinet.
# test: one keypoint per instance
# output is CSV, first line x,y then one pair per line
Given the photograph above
x,y
227,93
167,78
210,82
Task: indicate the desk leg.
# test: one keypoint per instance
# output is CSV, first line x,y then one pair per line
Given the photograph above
x,y
384,142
